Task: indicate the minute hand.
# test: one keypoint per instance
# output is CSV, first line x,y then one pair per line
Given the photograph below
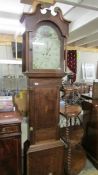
x,y
48,48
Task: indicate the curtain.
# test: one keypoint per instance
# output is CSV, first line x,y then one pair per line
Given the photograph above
x,y
72,63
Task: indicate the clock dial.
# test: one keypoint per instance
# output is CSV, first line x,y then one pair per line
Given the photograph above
x,y
46,49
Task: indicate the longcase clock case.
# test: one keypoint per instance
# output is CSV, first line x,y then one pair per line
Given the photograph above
x,y
43,64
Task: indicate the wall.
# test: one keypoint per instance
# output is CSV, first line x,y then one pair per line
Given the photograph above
x,y
6,52
86,57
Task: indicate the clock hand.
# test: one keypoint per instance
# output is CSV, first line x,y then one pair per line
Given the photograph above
x,y
48,49
47,52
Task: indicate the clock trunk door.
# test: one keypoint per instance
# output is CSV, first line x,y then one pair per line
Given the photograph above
x,y
44,110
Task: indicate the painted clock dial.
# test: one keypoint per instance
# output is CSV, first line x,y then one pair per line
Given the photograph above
x,y
46,48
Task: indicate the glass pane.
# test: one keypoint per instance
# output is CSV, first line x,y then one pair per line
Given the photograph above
x,y
46,49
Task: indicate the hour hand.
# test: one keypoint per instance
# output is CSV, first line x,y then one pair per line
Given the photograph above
x,y
47,49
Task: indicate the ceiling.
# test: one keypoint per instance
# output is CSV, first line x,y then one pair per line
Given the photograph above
x,y
83,14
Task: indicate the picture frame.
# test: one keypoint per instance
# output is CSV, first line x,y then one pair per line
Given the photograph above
x,y
88,72
95,90
83,71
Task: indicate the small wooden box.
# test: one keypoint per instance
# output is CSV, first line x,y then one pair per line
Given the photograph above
x,y
46,159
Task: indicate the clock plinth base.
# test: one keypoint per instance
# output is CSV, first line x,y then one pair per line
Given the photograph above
x,y
46,158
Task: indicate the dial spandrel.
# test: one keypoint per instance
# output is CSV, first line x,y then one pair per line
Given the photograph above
x,y
46,49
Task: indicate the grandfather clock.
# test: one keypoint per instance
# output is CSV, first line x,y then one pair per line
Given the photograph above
x,y
43,64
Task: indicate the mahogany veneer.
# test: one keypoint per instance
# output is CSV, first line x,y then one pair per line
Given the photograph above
x,y
90,140
10,143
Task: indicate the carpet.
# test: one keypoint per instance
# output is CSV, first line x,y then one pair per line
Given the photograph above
x,y
89,172
89,169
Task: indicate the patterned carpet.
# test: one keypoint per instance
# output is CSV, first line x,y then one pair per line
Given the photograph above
x,y
89,169
89,172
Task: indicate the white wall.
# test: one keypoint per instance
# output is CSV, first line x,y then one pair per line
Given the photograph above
x,y
6,52
86,57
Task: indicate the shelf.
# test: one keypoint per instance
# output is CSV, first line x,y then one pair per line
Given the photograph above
x,y
10,61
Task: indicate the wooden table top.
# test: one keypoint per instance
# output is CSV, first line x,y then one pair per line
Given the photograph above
x,y
71,110
10,117
87,95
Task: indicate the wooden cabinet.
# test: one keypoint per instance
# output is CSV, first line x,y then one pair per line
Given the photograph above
x,y
10,144
90,140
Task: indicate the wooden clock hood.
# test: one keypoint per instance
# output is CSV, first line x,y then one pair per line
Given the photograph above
x,y
32,22
36,17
